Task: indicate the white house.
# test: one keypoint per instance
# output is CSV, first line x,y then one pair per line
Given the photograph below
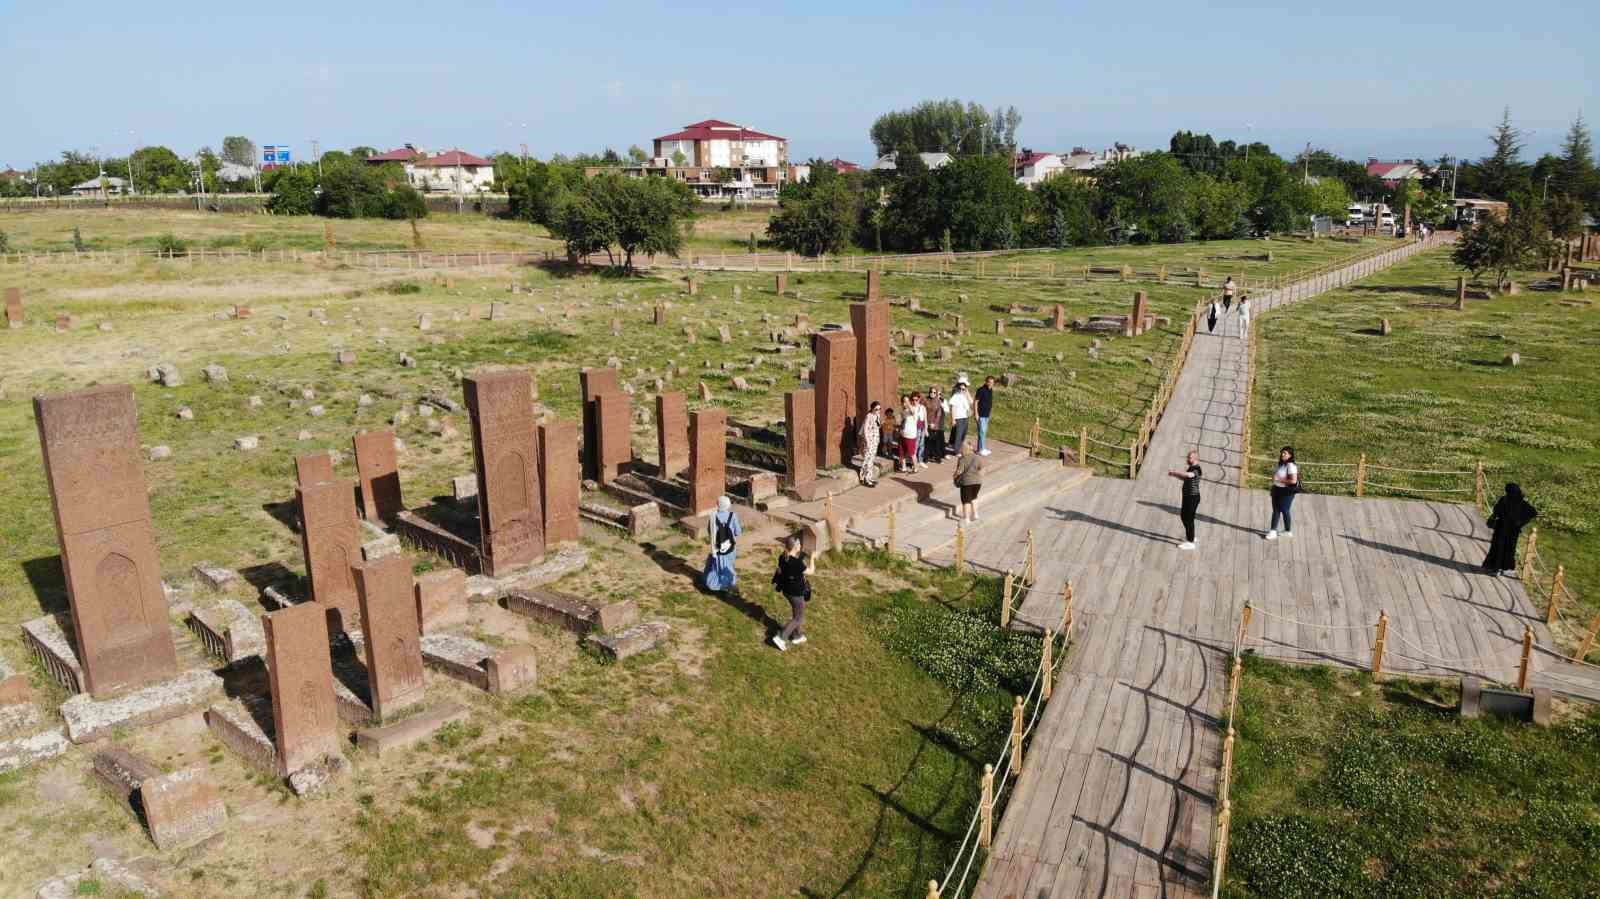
x,y
885,163
94,186
1032,168
714,143
453,171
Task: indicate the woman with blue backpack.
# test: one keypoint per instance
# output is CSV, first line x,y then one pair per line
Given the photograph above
x,y
725,531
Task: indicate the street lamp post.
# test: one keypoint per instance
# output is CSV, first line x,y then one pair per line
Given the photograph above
x,y
1546,197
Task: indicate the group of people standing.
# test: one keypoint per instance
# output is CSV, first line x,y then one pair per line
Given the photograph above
x,y
926,429
1220,310
1285,486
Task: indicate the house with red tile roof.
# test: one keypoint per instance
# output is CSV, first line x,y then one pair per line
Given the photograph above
x,y
718,160
1392,173
453,171
841,166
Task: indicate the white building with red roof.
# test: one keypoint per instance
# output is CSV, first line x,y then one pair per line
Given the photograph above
x,y
453,171
1030,167
1392,173
714,143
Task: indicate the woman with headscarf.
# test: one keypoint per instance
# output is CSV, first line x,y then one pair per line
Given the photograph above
x,y
724,529
1511,514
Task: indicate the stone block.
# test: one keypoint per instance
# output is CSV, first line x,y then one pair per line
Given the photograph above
x,y
215,576
20,751
381,547
479,664
304,714
511,669
89,718
707,459
510,507
378,471
392,634
49,644
763,484
405,734
643,518
570,613
672,434
330,542
228,630
614,412
441,599
464,487
104,876
631,641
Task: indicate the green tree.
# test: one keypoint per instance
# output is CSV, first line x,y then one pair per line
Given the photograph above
x,y
1563,215
1431,206
1503,246
947,126
1328,197
1149,196
363,152
637,155
210,165
1065,213
585,227
910,218
637,215
1575,173
815,217
1502,172
239,150
293,193
1217,206
158,170
74,168
980,203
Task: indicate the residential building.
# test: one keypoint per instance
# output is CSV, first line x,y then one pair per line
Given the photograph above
x,y
1032,168
885,163
453,171
841,166
1085,161
718,160
95,186
1392,173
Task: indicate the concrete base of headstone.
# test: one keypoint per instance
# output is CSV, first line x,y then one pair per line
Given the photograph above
x,y
643,518
103,873
242,724
215,577
556,565
48,642
482,666
571,613
23,750
178,809
631,641
411,731
228,630
89,719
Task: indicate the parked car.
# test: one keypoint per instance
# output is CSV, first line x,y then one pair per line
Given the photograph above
x,y
1355,215
1386,220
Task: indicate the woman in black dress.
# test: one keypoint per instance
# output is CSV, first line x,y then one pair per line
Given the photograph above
x,y
1511,514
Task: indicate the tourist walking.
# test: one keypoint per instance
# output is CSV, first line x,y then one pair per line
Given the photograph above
x,y
1285,484
1511,514
790,579
871,430
1244,316
720,576
1227,294
920,409
1190,476
938,412
968,480
908,436
1212,315
985,409
960,411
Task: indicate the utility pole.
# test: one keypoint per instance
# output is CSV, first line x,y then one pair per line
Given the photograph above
x,y
316,151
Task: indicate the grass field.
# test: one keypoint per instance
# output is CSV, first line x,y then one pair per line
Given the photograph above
x,y
1346,789
1434,395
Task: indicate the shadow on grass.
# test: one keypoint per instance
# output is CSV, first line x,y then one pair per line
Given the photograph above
x,y
733,599
49,583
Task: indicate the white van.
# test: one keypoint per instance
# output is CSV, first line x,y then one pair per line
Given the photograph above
x,y
1355,215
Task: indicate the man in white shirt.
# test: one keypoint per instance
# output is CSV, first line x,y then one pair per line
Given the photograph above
x,y
960,412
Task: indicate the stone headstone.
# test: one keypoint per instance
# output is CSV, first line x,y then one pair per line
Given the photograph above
x,y
800,436
330,540
614,426
1384,328
510,508
1061,317
425,321
441,598
1512,359
870,324
591,383
999,326
707,459
63,321
14,314
1141,312
392,644
724,335
835,380
705,392
499,311
182,808
304,717
464,487
379,474
672,433
780,283
345,357
661,314
874,285
90,442
1461,293
559,480
215,374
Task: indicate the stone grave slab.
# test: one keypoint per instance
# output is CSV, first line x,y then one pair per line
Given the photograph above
x,y
392,634
570,613
559,480
178,809
89,718
392,738
478,664
378,471
330,540
228,630
510,508
631,641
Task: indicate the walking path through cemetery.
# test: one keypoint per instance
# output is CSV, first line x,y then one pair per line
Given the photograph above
x,y
1116,794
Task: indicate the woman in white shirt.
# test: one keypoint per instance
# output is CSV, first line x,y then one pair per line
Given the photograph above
x,y
1285,484
1244,316
960,411
908,436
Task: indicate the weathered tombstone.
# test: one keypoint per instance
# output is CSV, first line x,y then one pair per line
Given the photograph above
x,y
672,433
441,598
1141,311
835,380
1384,328
614,414
661,314
800,436
1061,317
591,383
305,722
389,623
724,334
781,283
999,326
345,357
874,284
1461,292
708,446
559,477
510,509
870,324
379,474
63,321
313,468
14,314
331,542
693,285
90,443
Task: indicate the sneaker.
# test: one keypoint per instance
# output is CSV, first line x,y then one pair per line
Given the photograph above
x,y
1287,534
974,518
798,640
983,452
1187,544
1509,572
779,642
1272,535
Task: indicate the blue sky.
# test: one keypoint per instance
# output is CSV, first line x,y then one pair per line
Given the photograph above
x,y
1370,80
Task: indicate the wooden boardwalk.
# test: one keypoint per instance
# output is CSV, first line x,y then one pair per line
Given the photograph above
x,y
1116,795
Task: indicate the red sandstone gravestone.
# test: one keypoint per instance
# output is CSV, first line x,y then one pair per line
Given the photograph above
x,y
313,468
836,396
800,436
1141,310
393,643
379,473
510,508
874,285
305,723
591,383
708,446
613,417
870,323
14,315
559,474
672,433
90,441
331,542
780,283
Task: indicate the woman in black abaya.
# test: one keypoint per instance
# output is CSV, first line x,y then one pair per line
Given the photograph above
x,y
1511,514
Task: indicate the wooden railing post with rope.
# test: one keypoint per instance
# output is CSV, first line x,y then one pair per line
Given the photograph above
x,y
1381,634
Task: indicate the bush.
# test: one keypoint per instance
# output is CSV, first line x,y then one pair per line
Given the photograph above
x,y
293,193
171,245
5,243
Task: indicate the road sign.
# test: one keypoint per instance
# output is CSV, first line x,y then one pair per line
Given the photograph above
x,y
275,155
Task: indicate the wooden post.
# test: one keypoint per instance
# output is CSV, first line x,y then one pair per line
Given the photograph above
x,y
1016,737
1377,644
1033,443
1066,614
1133,460
1029,575
893,525
1529,555
1361,476
1556,586
1233,685
1527,656
1047,665
835,538
1588,642
1480,486
986,808
1222,838
1244,623
1083,446
1005,600
961,549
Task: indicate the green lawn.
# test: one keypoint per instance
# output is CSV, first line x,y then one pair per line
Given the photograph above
x,y
1434,395
1346,789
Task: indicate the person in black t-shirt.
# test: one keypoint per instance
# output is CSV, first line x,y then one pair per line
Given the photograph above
x,y
790,579
985,409
1190,477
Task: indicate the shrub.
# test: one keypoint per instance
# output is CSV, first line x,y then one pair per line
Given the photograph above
x,y
171,245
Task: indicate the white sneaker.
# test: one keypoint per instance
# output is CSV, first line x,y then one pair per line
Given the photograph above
x,y
779,642
1272,535
1287,534
983,452
798,640
1186,545
1509,572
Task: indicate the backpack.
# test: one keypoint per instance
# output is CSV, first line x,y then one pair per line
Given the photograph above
x,y
725,542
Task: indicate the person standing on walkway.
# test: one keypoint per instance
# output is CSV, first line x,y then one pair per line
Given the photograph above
x,y
908,436
1212,315
968,480
723,526
1190,476
1228,290
871,437
1285,484
985,410
938,411
1511,514
920,408
790,579
960,411
1244,316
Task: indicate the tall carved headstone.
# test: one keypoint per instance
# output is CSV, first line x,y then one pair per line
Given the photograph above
x,y
379,474
1060,317
836,396
90,440
613,415
510,509
559,473
305,721
313,468
780,283
331,541
1141,311
14,314
393,642
870,322
592,382
708,447
874,285
800,435
672,433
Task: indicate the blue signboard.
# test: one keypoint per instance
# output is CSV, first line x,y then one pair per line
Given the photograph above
x,y
274,155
